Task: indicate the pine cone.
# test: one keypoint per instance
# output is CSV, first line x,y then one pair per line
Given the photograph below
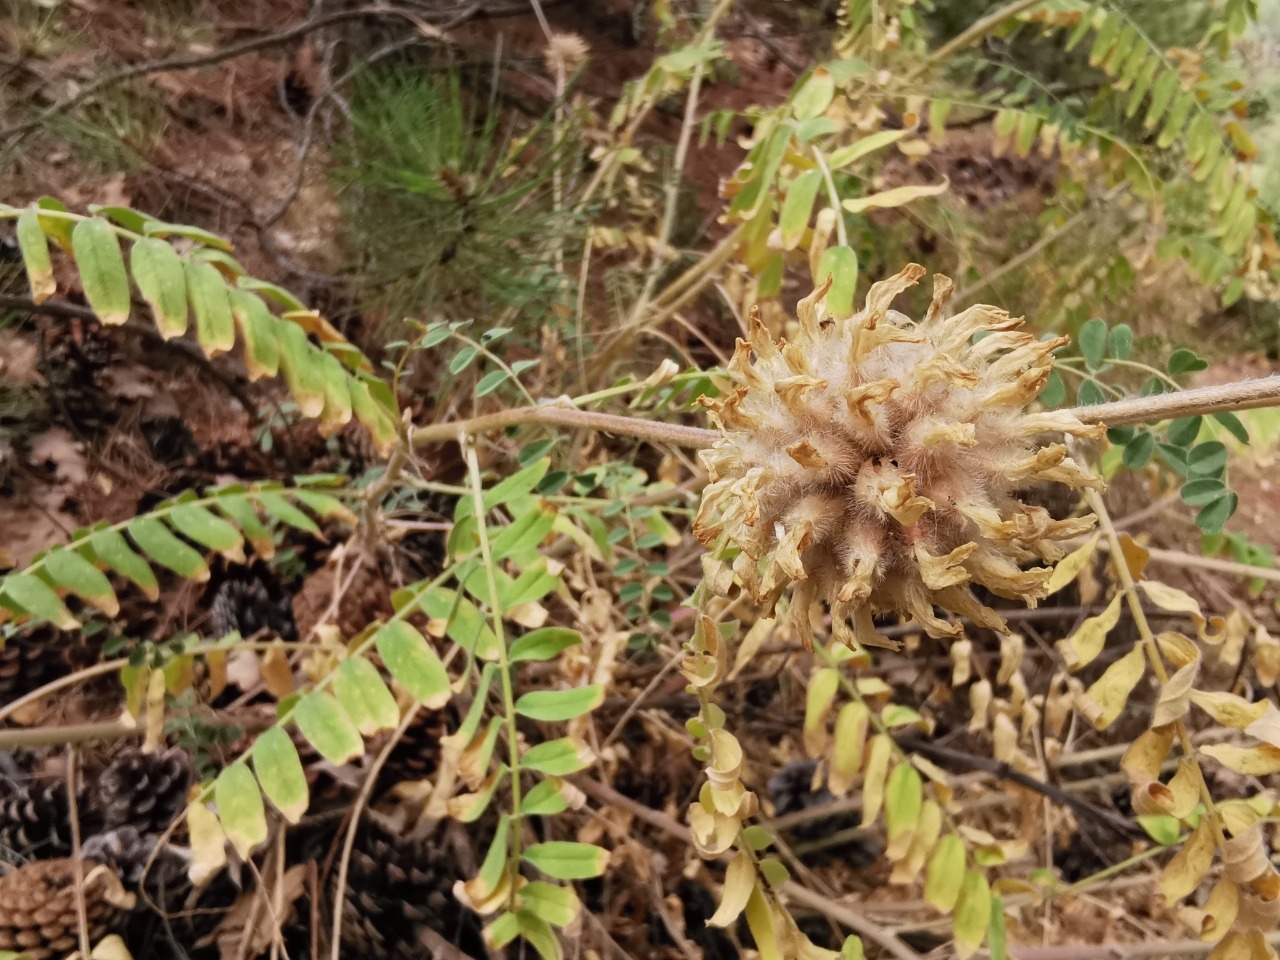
x,y
31,658
416,755
397,885
76,353
146,791
248,599
38,906
35,819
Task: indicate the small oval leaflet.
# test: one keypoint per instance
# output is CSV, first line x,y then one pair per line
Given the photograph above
x,y
327,727
240,808
568,860
412,661
279,769
557,706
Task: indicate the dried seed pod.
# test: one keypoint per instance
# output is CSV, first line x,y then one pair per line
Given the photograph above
x,y
872,464
38,906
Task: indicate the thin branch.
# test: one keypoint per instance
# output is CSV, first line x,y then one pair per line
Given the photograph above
x,y
1220,398
652,430
975,32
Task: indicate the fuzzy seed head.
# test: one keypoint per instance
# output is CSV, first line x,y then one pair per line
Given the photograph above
x,y
873,464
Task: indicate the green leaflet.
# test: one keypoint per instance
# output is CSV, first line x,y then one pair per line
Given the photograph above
x,y
257,330
102,273
279,769
31,594
285,512
112,549
240,808
164,548
365,697
201,525
215,327
325,724
301,369
412,661
557,706
158,228
557,758
73,572
566,860
543,644
35,256
242,512
159,274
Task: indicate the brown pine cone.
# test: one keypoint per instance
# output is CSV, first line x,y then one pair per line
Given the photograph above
x,y
416,755
396,888
146,791
38,906
35,820
31,658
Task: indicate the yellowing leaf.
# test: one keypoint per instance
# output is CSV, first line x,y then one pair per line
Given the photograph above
x,y
904,796
925,835
973,913
760,923
739,884
208,843
945,875
873,782
896,197
1266,727
1083,646
1219,910
1069,567
1174,701
240,808
1177,601
1184,872
35,256
817,704
1105,700
847,749
1255,761
1231,710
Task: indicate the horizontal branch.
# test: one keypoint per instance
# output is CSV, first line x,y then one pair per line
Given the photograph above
x,y
1221,398
652,430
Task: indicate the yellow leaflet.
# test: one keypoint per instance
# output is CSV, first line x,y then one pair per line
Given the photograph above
x,y
1083,646
739,884
1219,911
1069,567
1236,712
1175,696
874,781
1255,761
818,701
895,197
1266,727
1103,702
846,753
1177,601
1188,867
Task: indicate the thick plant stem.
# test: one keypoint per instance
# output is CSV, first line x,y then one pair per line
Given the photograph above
x,y
1221,398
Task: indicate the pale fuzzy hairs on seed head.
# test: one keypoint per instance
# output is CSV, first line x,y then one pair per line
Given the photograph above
x,y
872,461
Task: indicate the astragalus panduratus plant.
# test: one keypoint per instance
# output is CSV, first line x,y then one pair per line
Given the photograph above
x,y
870,478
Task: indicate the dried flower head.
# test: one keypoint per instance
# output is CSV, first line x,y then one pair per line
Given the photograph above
x,y
872,463
568,49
